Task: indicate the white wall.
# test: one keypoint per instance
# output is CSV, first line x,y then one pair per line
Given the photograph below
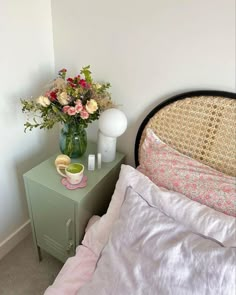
x,y
148,50
26,64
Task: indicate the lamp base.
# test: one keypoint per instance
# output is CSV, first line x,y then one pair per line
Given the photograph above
x,y
107,147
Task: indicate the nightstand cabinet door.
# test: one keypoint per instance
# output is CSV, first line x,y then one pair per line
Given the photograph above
x,y
54,221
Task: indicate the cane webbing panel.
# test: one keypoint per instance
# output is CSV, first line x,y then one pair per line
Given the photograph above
x,y
203,128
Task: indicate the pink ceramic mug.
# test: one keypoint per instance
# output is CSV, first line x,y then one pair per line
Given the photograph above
x,y
73,172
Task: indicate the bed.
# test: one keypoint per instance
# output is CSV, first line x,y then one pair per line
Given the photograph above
x,y
170,227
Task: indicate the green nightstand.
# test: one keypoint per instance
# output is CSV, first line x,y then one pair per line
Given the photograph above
x,y
58,215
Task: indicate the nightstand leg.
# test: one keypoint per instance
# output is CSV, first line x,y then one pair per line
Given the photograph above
x,y
39,254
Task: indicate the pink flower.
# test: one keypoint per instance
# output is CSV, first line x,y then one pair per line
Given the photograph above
x,y
65,109
78,106
83,83
47,94
84,114
71,111
73,85
63,71
53,95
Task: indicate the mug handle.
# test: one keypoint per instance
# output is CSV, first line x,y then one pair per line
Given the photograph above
x,y
59,171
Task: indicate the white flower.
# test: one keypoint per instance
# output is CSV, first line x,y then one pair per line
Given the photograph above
x,y
98,86
43,100
63,98
91,106
59,83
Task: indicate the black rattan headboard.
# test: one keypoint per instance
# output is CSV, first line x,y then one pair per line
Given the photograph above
x,y
211,105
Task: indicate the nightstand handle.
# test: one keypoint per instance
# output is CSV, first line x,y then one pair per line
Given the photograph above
x,y
70,242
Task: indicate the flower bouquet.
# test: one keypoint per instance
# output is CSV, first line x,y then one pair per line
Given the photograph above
x,y
75,102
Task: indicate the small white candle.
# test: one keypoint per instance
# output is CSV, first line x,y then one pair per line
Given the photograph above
x,y
91,162
99,160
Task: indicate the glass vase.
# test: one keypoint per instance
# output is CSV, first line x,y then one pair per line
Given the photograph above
x,y
73,140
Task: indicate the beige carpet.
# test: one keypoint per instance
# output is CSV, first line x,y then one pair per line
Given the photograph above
x,y
22,274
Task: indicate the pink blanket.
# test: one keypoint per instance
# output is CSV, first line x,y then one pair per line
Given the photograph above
x,y
75,273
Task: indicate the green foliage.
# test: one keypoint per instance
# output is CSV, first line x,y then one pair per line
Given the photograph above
x,y
44,118
87,74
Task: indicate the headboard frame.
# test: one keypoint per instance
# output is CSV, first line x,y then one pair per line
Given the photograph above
x,y
200,124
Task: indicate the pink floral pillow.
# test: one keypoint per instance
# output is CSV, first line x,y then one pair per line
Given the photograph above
x,y
170,169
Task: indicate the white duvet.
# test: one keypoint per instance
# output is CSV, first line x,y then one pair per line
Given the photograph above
x,y
163,243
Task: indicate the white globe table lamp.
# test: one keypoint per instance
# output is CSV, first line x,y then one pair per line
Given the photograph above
x,y
112,124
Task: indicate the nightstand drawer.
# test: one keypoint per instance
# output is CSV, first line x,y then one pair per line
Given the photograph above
x,y
54,221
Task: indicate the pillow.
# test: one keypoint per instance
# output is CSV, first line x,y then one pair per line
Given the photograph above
x,y
172,170
147,243
181,208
